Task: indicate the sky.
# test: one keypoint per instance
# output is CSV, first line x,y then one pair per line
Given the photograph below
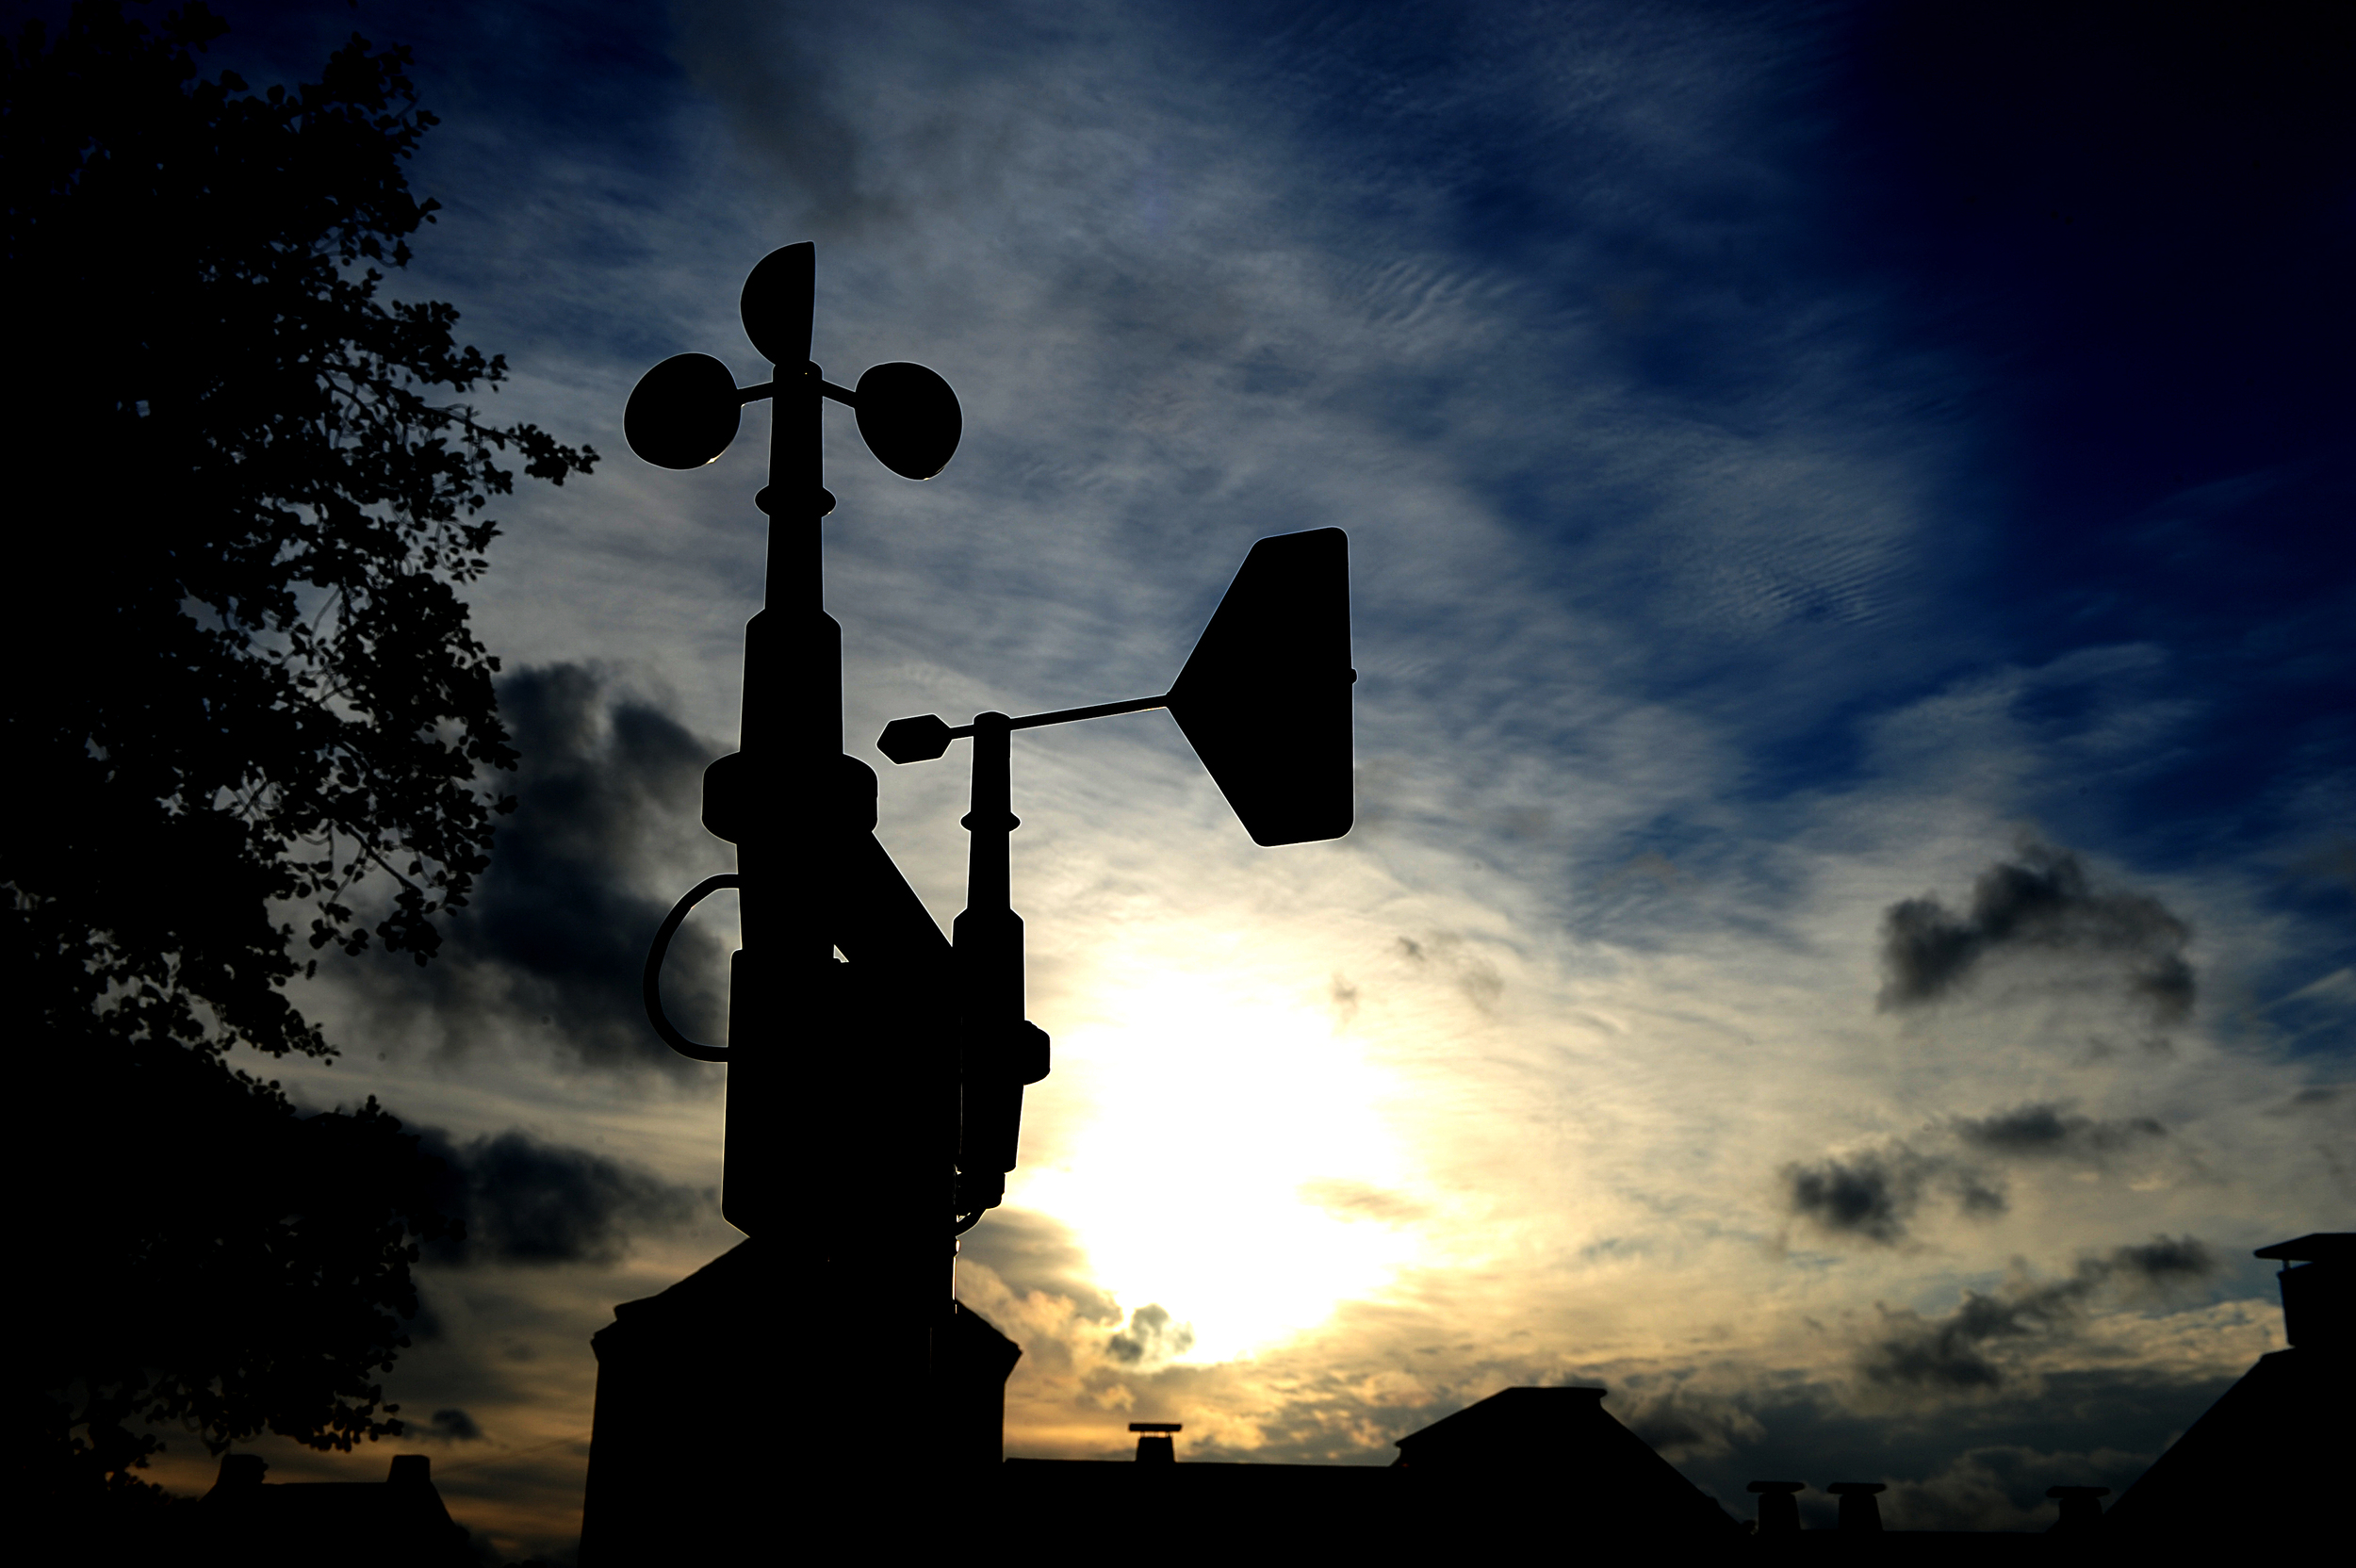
x,y
1847,941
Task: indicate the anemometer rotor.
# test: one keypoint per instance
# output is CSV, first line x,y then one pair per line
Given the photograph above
x,y
684,413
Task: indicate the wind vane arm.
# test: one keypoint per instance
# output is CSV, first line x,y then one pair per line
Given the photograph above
x,y
1265,700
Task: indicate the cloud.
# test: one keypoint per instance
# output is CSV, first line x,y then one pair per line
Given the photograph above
x,y
1345,1000
2165,1260
1980,1463
1871,1195
1031,1254
1961,1354
1875,1193
1151,1337
1683,1424
531,1202
449,1424
608,798
1475,976
2040,900
2001,1487
2046,1131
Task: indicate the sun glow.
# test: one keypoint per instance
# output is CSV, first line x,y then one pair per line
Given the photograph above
x,y
1225,1156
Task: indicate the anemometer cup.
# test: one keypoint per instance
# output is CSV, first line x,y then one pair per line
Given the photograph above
x,y
684,413
909,417
776,303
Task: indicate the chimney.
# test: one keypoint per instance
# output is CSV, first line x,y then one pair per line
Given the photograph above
x,y
411,1470
1778,1510
2319,1300
1859,1507
2079,1509
1156,1446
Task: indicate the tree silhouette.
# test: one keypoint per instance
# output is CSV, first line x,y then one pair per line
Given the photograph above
x,y
251,697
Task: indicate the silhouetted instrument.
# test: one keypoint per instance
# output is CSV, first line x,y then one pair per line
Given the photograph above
x,y
869,1092
813,879
1265,699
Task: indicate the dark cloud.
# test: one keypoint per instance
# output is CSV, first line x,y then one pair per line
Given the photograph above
x,y
449,1425
2166,1260
1683,1424
2040,900
2047,1132
1030,1252
1979,1463
1151,1336
2002,1488
608,802
1870,1196
1960,1353
528,1202
1949,1353
1873,1194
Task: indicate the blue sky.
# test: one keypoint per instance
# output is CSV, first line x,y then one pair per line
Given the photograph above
x,y
1798,459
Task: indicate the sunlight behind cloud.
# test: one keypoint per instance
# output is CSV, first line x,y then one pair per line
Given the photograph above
x,y
1229,1161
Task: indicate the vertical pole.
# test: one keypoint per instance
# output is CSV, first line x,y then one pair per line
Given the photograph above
x,y
990,973
824,1094
791,728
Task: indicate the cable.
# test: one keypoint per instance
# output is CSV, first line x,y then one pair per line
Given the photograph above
x,y
652,985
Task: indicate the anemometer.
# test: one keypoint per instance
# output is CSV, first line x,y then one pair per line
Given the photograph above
x,y
896,1071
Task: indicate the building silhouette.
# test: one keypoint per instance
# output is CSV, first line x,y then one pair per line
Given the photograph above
x,y
400,1522
1539,1468
2276,1450
695,1380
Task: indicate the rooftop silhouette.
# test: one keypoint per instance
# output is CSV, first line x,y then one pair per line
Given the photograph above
x,y
400,1522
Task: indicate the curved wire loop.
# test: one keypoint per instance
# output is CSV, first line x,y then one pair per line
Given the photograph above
x,y
652,985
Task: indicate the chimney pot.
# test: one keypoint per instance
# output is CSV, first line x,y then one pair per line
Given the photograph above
x,y
239,1470
2079,1509
1155,1445
1860,1507
1779,1509
2319,1300
411,1470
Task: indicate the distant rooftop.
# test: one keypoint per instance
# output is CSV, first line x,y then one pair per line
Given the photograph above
x,y
2314,1247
